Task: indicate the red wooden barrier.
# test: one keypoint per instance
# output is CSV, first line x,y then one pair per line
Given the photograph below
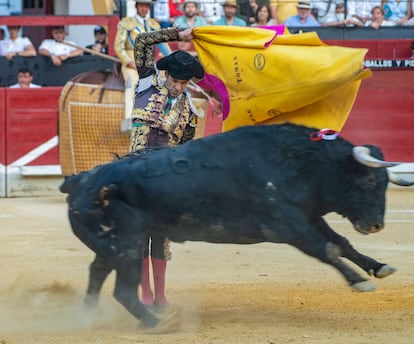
x,y
383,49
2,126
383,114
32,123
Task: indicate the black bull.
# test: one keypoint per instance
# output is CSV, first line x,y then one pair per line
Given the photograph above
x,y
250,185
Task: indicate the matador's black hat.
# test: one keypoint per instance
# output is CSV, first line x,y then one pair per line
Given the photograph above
x,y
181,65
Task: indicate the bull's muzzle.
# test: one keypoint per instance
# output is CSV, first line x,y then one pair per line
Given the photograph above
x,y
368,229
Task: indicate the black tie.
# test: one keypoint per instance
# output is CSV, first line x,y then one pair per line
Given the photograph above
x,y
145,25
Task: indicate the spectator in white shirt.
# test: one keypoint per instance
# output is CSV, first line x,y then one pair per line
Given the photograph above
x,y
24,79
16,45
378,18
211,10
56,50
162,13
360,11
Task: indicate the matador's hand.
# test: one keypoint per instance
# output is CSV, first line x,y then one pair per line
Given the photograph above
x,y
186,35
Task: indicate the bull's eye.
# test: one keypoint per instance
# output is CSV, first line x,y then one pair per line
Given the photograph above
x,y
369,181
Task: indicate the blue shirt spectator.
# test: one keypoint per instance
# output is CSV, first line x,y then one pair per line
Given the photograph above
x,y
229,18
190,17
304,17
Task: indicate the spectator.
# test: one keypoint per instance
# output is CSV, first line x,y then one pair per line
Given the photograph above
x,y
127,30
211,10
377,18
360,11
100,45
281,10
162,13
3,43
247,10
339,18
263,16
163,115
175,7
303,18
190,17
55,49
229,18
398,11
16,45
24,79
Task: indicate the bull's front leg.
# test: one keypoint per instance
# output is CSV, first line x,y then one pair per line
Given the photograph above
x,y
98,272
298,232
370,265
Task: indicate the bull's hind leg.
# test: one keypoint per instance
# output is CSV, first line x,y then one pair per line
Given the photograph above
x,y
98,272
370,265
128,275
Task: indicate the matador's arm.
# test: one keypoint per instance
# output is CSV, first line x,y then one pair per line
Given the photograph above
x,y
144,52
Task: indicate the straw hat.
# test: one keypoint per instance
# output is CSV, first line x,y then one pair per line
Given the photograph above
x,y
232,3
195,2
304,4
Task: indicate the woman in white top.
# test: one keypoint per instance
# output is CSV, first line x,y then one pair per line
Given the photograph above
x,y
263,16
377,18
16,45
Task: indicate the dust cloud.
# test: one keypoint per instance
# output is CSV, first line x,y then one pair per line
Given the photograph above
x,y
29,305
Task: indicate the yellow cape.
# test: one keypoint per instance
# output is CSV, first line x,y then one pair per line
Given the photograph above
x,y
296,78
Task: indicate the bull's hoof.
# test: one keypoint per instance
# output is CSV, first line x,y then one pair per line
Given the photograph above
x,y
169,322
384,271
363,286
91,301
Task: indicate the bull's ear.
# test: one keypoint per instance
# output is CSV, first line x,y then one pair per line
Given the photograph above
x,y
363,155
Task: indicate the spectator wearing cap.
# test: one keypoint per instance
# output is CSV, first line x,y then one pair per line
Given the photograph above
x,y
304,17
24,79
163,115
229,17
100,45
56,50
16,45
190,17
127,31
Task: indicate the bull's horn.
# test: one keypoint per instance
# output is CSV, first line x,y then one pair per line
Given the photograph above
x,y
363,156
395,179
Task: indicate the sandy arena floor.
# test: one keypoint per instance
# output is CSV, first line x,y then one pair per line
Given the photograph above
x,y
262,293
